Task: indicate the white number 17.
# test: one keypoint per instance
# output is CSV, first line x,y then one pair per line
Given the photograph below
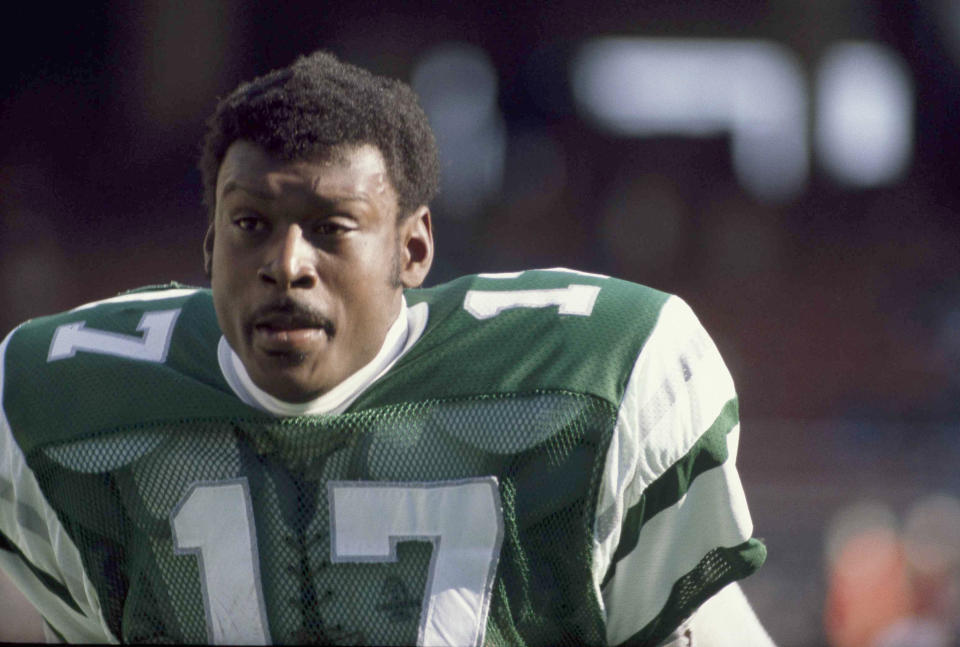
x,y
462,519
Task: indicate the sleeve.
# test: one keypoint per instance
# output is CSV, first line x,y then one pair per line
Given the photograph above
x,y
672,525
725,620
36,552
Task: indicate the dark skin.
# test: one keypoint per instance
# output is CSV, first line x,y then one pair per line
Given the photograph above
x,y
308,261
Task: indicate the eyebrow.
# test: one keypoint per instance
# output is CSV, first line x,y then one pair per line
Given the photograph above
x,y
232,185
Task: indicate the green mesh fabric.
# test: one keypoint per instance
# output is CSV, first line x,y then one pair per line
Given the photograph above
x,y
546,450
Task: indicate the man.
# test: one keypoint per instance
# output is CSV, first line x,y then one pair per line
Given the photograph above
x,y
315,450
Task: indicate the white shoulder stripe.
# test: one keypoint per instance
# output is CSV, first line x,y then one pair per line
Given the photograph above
x,y
45,543
74,627
158,295
672,543
676,390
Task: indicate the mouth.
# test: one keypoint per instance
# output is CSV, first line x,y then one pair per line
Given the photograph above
x,y
290,330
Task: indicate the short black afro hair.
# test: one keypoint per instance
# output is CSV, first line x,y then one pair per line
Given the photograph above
x,y
317,104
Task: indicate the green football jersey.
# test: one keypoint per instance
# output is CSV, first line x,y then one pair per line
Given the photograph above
x,y
550,459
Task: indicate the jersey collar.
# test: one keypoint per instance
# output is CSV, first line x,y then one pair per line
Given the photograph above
x,y
402,335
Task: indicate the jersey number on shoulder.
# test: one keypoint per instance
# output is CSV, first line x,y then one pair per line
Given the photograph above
x,y
575,299
151,346
462,519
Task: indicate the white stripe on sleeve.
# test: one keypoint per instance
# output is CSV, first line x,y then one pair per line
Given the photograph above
x,y
713,513
28,520
677,388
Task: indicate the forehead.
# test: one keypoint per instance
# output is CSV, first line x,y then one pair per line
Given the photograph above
x,y
346,171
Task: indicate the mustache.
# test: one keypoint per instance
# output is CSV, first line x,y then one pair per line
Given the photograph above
x,y
289,312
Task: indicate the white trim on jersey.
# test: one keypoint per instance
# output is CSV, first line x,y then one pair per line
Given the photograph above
x,y
158,295
678,386
402,335
513,275
28,520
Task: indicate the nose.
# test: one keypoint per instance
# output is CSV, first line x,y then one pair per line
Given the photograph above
x,y
291,261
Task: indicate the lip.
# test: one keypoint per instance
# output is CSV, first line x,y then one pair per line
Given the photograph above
x,y
284,332
288,337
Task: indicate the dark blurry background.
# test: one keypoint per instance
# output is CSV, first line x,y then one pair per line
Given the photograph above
x,y
788,167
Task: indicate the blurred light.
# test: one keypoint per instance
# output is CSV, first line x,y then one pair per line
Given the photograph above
x,y
932,534
864,126
753,90
868,586
457,86
914,632
858,519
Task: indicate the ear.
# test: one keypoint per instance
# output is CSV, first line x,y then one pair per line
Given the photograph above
x,y
416,247
208,251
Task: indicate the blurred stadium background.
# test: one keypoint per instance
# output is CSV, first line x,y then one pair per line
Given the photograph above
x,y
788,167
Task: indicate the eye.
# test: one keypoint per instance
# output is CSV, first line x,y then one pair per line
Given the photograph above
x,y
250,222
329,228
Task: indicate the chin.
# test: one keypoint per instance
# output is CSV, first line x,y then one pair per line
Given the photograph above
x,y
292,383
293,390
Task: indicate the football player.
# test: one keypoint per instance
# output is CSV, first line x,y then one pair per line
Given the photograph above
x,y
318,450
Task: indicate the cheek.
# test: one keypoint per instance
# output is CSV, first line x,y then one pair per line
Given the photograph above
x,y
220,278
368,288
381,254
226,283
361,272
221,305
230,263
